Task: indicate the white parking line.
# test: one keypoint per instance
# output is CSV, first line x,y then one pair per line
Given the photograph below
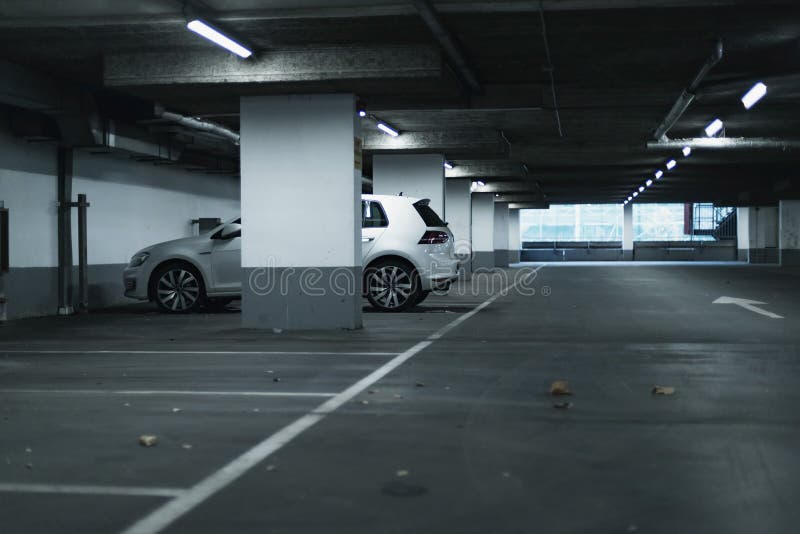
x,y
92,490
146,392
171,511
201,352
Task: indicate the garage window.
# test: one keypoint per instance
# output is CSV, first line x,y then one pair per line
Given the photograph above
x,y
575,222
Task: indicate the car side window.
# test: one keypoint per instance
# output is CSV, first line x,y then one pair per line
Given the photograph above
x,y
372,215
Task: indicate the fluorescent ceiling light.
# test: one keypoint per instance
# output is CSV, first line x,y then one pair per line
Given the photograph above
x,y
635,194
448,165
362,113
215,36
659,174
671,164
641,189
648,183
714,128
687,151
755,94
625,203
388,130
630,198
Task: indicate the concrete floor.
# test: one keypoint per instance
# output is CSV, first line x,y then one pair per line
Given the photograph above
x,y
462,437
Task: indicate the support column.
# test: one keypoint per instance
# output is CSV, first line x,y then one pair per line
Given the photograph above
x,y
301,222
757,234
482,231
789,232
627,232
414,175
501,234
514,241
457,206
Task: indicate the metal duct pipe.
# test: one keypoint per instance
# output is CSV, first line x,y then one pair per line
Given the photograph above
x,y
448,44
757,143
688,95
197,124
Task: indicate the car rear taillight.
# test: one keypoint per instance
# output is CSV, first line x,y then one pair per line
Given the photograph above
x,y
434,237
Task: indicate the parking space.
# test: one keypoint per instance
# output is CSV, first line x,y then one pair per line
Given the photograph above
x,y
460,436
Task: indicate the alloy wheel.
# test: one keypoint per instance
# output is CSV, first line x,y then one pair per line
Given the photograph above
x,y
390,286
178,290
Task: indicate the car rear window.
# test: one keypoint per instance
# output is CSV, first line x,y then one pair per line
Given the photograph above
x,y
427,214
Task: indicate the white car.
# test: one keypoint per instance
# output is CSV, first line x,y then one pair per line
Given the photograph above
x,y
407,252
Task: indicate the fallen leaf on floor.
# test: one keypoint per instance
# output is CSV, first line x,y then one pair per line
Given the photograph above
x,y
560,387
663,390
127,404
186,446
176,410
147,440
420,385
364,402
276,379
562,405
402,472
398,396
372,391
28,450
29,466
506,474
271,467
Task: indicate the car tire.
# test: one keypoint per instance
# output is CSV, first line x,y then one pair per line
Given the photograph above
x,y
177,287
392,285
422,296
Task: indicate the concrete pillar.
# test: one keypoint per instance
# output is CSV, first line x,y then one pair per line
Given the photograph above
x,y
627,232
757,234
414,175
514,241
789,232
501,234
300,195
457,206
482,231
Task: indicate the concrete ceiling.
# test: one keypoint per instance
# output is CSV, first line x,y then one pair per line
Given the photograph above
x,y
618,67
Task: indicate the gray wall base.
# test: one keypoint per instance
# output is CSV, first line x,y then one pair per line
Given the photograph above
x,y
685,254
33,291
501,257
301,298
513,256
483,260
569,254
759,255
790,258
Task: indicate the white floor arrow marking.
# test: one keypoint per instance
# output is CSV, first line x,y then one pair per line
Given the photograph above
x,y
751,305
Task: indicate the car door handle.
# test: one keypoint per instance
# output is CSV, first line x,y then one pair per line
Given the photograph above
x,y
204,253
367,239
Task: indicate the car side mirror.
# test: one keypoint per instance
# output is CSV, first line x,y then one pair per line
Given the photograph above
x,y
230,231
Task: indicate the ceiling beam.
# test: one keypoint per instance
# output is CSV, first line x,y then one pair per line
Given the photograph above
x,y
485,169
325,11
308,64
485,142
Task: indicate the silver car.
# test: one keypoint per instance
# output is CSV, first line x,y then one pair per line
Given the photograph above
x,y
407,252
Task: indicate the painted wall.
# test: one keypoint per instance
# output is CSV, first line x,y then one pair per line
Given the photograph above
x,y
132,205
415,175
482,231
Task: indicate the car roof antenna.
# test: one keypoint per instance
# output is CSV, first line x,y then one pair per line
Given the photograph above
x,y
401,194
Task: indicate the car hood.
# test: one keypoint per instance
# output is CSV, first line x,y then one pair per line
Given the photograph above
x,y
194,242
